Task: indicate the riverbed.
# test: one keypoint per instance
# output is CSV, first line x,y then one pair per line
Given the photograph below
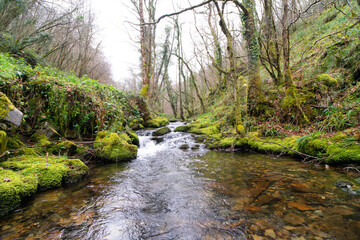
x,y
169,193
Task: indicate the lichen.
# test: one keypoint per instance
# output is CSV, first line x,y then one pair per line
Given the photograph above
x,y
111,147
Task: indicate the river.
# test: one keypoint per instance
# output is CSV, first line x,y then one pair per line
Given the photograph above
x,y
169,193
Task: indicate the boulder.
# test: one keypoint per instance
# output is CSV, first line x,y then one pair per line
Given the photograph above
x,y
9,112
161,131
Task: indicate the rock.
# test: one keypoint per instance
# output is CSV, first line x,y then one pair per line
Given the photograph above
x,y
343,184
253,208
199,139
9,112
114,147
184,128
195,147
293,219
50,132
158,139
256,237
300,187
161,131
300,206
270,233
184,146
266,199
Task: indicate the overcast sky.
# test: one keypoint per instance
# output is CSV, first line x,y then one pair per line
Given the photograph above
x,y
115,33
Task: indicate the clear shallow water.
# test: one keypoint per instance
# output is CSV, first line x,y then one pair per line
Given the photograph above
x,y
168,193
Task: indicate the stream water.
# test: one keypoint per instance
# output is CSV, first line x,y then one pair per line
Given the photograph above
x,y
168,193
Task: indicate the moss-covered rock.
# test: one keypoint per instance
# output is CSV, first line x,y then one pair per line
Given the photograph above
x,y
21,177
161,131
184,128
133,136
114,147
327,80
157,122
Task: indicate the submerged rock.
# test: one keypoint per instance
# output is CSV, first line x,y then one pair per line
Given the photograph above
x,y
161,131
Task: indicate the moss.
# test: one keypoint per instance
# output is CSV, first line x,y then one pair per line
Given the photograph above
x,y
3,141
136,124
240,129
27,174
111,147
65,147
199,139
340,155
40,139
161,131
317,147
5,105
133,136
327,80
291,106
50,172
15,142
144,90
227,142
157,122
184,128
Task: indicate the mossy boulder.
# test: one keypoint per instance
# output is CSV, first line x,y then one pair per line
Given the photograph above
x,y
157,122
161,131
327,80
21,177
184,128
15,186
136,124
114,147
8,111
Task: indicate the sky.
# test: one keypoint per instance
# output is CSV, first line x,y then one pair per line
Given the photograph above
x,y
116,34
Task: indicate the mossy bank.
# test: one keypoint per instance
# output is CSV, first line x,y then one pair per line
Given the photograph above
x,y
66,120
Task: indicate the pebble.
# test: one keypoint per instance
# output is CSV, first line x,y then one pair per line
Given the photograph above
x,y
270,233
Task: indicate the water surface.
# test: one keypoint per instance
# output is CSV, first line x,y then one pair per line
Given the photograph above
x,y
168,193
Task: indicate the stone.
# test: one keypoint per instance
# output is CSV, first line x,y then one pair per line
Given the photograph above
x,y
270,233
256,237
195,147
50,132
9,112
184,146
15,117
300,206
301,187
293,219
161,131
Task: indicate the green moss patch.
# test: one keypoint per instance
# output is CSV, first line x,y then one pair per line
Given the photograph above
x,y
161,131
114,147
184,128
5,105
157,122
21,177
3,141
